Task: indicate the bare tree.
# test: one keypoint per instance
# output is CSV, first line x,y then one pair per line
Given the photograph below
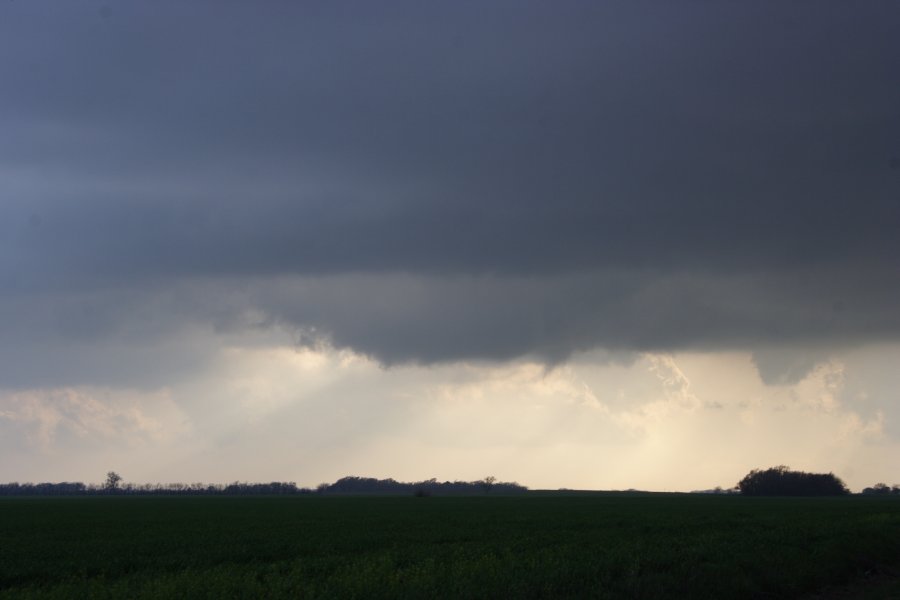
x,y
112,481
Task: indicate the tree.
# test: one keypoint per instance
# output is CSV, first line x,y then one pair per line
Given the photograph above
x,y
781,481
878,489
112,481
488,483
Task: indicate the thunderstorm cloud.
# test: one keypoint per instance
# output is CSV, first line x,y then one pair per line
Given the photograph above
x,y
438,182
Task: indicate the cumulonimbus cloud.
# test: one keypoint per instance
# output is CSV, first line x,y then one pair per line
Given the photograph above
x,y
447,183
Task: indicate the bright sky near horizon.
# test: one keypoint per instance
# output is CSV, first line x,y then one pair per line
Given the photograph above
x,y
577,244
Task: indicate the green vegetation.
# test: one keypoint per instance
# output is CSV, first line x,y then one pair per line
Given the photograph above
x,y
781,481
534,545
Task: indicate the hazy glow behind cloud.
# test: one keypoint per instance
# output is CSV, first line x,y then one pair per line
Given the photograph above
x,y
271,412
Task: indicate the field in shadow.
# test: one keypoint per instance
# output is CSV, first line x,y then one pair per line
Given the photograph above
x,y
532,546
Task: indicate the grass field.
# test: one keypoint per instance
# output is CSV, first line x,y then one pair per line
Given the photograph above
x,y
537,546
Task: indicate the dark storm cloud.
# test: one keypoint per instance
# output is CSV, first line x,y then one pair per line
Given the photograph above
x,y
546,177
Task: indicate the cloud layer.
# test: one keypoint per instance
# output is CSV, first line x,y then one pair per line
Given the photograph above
x,y
428,184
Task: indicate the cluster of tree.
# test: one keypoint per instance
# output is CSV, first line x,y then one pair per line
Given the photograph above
x,y
781,481
430,487
882,489
348,485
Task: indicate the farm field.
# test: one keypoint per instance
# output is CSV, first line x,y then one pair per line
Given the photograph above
x,y
531,546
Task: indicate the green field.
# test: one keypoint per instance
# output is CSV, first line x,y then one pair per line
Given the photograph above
x,y
547,546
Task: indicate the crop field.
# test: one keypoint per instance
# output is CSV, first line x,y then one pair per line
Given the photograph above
x,y
530,546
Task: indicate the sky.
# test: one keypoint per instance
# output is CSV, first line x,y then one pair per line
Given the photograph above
x,y
595,245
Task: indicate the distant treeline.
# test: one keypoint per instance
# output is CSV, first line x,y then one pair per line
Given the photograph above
x,y
347,485
367,485
149,489
882,489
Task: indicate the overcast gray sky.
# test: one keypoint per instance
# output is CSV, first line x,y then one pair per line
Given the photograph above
x,y
441,188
